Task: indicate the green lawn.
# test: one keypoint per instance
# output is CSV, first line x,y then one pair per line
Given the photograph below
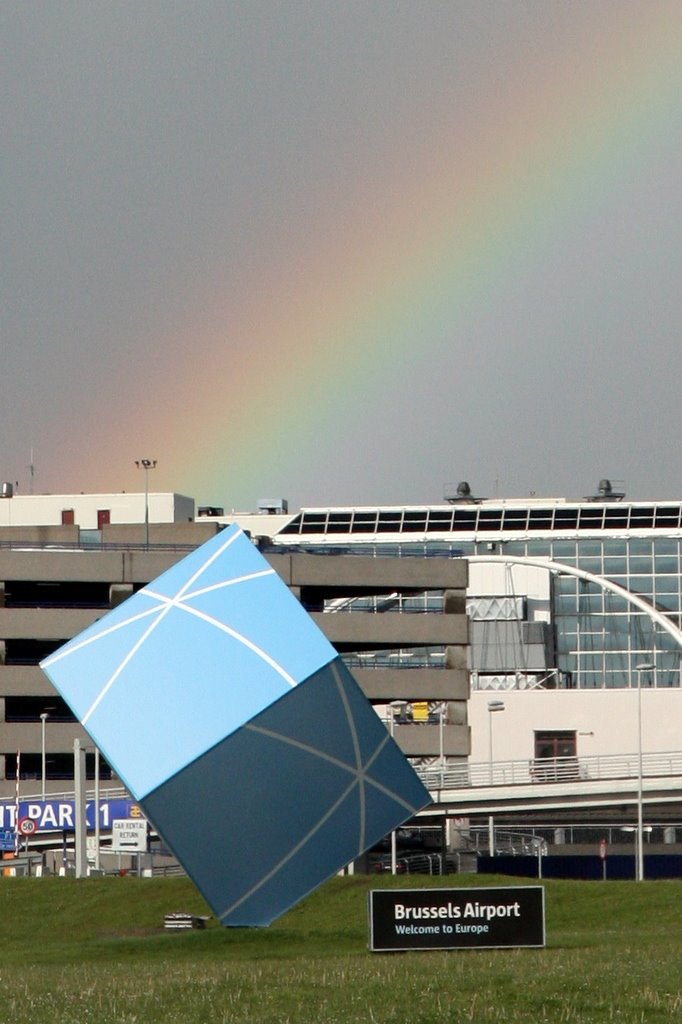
x,y
95,951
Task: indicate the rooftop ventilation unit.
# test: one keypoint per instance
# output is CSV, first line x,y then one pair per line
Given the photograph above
x,y
460,493
606,491
273,506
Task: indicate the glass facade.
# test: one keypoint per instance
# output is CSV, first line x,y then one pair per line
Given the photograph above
x,y
600,638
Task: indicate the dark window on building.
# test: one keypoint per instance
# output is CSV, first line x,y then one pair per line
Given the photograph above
x,y
414,522
294,526
440,520
555,743
29,709
365,522
490,520
641,517
540,519
390,521
339,522
29,652
465,519
555,757
591,518
68,517
314,522
616,518
49,594
515,519
565,518
57,766
668,516
103,517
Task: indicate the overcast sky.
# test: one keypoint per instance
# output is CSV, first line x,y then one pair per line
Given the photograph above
x,y
343,253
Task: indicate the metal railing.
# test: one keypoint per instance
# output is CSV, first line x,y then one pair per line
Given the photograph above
x,y
622,833
94,544
476,839
549,770
106,792
400,658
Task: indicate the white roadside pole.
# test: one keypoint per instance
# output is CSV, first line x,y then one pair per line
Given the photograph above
x,y
97,812
394,707
80,824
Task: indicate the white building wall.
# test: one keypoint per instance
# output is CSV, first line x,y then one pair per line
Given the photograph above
x,y
46,509
605,721
525,581
258,524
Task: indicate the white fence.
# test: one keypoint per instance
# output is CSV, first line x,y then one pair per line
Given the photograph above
x,y
549,770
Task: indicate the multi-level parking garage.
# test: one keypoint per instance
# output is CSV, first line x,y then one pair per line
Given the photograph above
x,y
56,578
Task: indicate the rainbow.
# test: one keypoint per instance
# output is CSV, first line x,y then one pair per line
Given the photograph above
x,y
273,377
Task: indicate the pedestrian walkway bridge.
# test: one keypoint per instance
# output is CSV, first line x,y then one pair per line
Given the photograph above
x,y
555,783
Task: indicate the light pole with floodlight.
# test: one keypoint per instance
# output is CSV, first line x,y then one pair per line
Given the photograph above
x,y
146,465
493,707
647,666
395,707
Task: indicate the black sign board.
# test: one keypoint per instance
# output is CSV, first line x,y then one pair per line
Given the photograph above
x,y
456,918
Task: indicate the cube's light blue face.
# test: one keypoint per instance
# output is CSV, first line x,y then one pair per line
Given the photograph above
x,y
188,660
228,714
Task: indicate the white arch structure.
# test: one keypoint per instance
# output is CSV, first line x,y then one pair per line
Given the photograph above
x,y
601,581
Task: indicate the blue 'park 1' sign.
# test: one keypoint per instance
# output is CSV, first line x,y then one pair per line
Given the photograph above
x,y
59,815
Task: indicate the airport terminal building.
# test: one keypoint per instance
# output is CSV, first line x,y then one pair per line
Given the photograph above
x,y
563,612
572,605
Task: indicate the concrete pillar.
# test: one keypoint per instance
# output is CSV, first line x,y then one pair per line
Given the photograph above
x,y
455,835
119,592
456,656
454,602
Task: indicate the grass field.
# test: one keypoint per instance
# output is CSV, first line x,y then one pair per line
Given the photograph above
x,y
95,952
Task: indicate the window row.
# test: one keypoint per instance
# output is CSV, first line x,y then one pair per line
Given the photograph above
x,y
484,519
57,766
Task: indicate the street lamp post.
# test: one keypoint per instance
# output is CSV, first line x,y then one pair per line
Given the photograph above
x,y
146,465
43,752
493,707
647,666
395,706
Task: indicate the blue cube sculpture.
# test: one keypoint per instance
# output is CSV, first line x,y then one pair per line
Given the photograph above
x,y
235,725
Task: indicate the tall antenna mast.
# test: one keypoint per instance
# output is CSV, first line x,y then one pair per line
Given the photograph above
x,y
31,470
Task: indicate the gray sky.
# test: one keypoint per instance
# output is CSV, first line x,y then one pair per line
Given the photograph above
x,y
343,253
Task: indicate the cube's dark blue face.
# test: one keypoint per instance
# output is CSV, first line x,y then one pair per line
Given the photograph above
x,y
304,788
232,721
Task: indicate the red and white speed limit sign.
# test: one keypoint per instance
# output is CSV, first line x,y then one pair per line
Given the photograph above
x,y
27,826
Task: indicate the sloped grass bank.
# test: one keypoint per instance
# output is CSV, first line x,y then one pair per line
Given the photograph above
x,y
95,951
